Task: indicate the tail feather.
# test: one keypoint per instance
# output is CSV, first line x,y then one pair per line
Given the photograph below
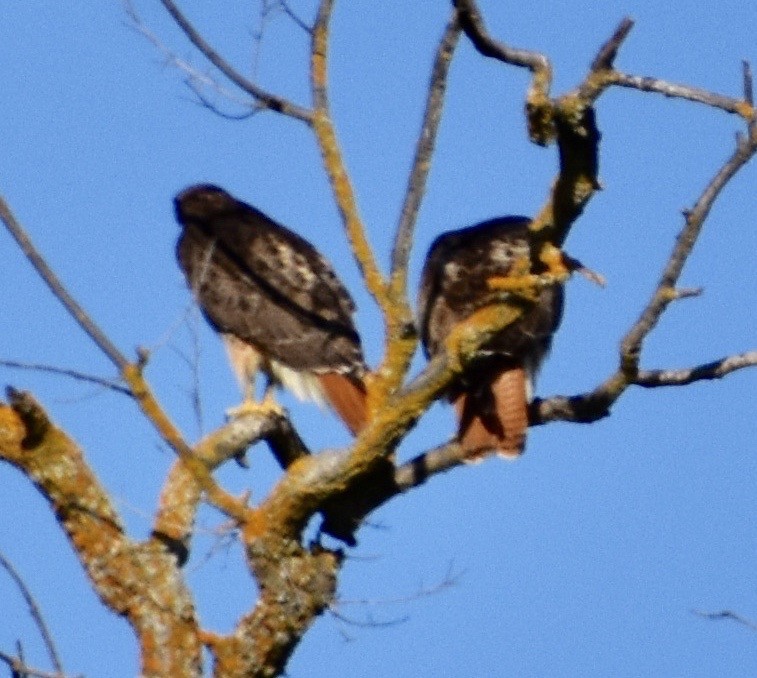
x,y
494,416
347,396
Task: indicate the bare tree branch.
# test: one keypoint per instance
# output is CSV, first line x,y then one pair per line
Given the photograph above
x,y
423,155
195,79
474,27
264,98
538,103
140,581
401,335
369,623
749,97
645,84
333,161
36,613
20,669
727,614
595,405
665,292
713,370
57,288
132,373
606,56
74,374
295,17
206,103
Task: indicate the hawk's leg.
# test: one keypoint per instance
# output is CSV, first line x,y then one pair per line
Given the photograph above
x,y
246,361
250,406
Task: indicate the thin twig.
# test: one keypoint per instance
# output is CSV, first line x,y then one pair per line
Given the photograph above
x,y
194,364
727,614
295,17
35,612
266,11
369,623
74,374
195,79
57,288
203,101
450,580
264,98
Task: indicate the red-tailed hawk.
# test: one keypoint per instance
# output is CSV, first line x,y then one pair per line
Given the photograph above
x,y
275,301
491,395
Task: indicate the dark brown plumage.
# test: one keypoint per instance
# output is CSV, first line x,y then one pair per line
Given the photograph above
x,y
274,299
491,396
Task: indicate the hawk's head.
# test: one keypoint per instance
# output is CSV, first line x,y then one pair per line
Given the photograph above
x,y
202,202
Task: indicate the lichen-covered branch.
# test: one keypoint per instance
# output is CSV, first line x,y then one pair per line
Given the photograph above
x,y
296,585
573,121
181,494
139,581
333,161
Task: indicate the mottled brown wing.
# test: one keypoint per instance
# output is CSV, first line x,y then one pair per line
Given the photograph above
x,y
491,396
266,286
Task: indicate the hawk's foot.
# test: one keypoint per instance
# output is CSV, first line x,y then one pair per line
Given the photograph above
x,y
260,408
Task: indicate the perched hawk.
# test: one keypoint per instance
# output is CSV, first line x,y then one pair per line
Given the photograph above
x,y
275,301
492,394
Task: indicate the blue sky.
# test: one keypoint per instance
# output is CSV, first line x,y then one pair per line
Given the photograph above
x,y
586,556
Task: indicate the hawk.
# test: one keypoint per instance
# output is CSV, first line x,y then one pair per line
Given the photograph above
x,y
276,302
491,395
